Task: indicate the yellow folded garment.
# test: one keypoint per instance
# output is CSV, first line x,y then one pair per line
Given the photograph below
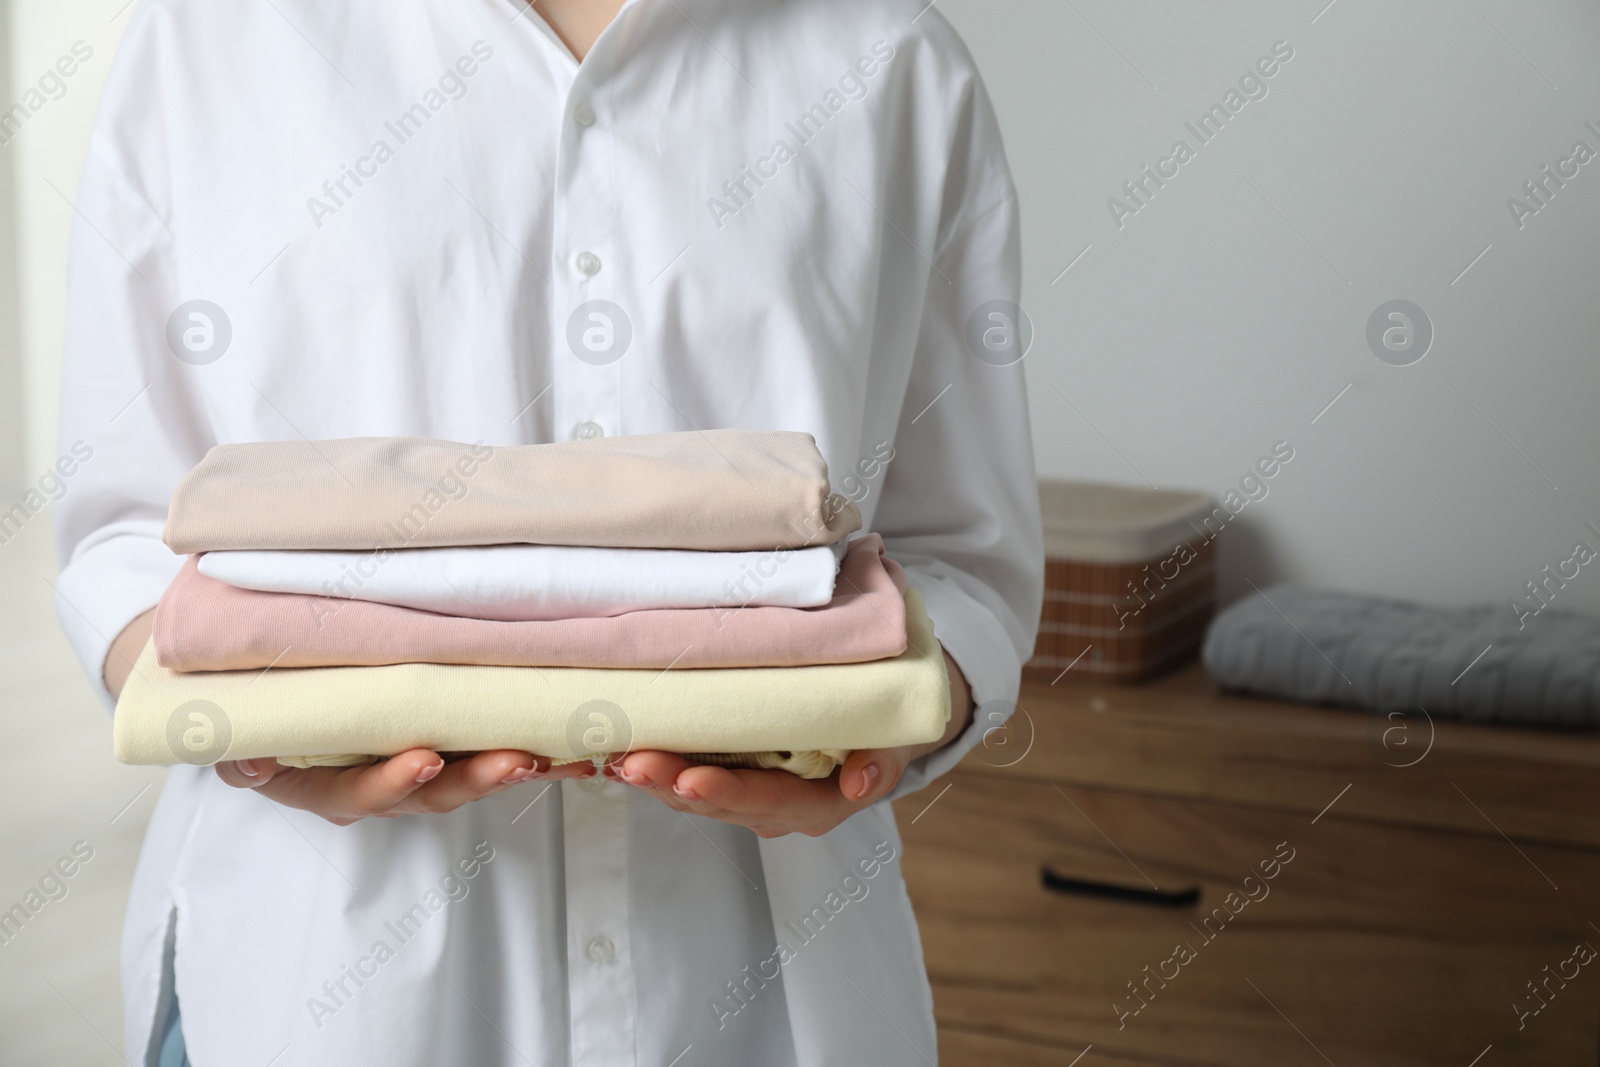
x,y
166,716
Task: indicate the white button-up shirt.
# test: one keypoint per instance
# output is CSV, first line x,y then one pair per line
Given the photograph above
x,y
425,217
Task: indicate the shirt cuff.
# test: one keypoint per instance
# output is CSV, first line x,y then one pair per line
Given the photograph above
x,y
979,644
110,581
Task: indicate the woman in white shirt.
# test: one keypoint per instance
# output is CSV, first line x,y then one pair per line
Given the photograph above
x,y
471,220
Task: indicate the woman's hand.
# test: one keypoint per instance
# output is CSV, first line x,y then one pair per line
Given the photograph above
x,y
417,782
775,803
125,650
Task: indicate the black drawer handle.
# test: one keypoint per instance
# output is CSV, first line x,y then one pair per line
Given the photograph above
x,y
1160,898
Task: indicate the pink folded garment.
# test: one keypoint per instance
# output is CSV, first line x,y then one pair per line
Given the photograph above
x,y
202,624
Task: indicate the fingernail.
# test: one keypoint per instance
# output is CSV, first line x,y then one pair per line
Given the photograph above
x,y
632,777
427,774
248,769
518,775
685,792
869,780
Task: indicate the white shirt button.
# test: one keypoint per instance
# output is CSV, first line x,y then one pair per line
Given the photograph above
x,y
588,263
588,431
583,115
601,950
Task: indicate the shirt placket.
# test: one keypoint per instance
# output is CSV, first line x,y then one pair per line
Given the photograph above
x,y
590,327
601,990
600,978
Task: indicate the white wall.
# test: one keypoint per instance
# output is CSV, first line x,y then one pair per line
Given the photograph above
x,y
1229,311
11,427
45,160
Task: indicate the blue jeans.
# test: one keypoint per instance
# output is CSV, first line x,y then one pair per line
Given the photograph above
x,y
173,1051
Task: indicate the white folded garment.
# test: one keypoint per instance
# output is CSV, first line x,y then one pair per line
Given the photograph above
x,y
512,583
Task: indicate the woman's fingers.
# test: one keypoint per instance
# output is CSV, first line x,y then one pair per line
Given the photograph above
x,y
473,778
657,773
756,793
344,794
868,774
580,769
418,781
770,802
248,774
659,769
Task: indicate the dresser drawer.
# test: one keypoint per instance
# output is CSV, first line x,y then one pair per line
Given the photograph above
x,y
1060,916
1177,736
969,1048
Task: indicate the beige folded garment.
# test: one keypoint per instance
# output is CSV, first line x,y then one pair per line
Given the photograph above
x,y
727,490
164,716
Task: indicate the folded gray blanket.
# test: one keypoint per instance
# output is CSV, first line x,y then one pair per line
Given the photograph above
x,y
1389,656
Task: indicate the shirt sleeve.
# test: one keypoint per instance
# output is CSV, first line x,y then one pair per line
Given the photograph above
x,y
960,506
128,406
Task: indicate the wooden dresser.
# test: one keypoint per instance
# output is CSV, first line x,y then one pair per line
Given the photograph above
x,y
1166,875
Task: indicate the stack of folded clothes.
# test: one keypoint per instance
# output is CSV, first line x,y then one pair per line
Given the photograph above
x,y
347,600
